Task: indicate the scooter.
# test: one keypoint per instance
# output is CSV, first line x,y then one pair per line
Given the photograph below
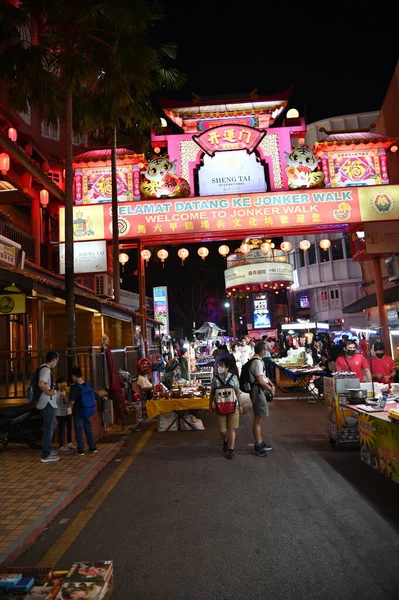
x,y
21,424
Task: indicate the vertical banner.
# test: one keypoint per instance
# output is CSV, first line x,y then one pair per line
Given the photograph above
x,y
161,312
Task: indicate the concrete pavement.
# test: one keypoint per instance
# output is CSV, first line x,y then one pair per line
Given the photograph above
x,y
307,522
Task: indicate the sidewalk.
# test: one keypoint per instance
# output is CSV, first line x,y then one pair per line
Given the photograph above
x,y
32,493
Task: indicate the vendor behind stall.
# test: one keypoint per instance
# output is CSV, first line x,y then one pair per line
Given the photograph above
x,y
354,362
382,366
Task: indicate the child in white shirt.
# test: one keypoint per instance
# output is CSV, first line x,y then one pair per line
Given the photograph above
x,y
64,415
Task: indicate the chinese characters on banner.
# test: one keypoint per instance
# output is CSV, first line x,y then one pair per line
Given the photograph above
x,y
379,445
161,311
229,137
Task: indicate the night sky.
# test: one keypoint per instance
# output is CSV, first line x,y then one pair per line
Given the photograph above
x,y
337,57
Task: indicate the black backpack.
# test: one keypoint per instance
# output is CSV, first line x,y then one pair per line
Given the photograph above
x,y
33,390
245,381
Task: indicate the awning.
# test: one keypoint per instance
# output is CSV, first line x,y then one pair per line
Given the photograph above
x,y
390,295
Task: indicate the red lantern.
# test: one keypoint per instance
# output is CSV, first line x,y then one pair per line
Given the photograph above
x,y
28,149
44,198
12,134
26,181
46,167
4,163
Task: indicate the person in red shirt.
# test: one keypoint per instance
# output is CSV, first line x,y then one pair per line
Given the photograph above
x,y
363,345
383,366
352,361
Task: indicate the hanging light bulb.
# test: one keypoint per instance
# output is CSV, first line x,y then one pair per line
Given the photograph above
x,y
146,255
12,134
203,252
285,246
163,255
183,253
304,245
325,244
266,247
123,258
245,248
224,250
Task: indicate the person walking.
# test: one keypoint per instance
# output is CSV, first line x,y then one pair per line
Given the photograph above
x,y
47,404
64,416
260,387
227,423
81,397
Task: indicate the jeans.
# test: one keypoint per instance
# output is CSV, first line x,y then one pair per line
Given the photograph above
x,y
50,421
64,421
81,425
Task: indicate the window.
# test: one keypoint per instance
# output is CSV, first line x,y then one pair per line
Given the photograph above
x,y
312,255
55,176
323,299
337,250
79,138
301,258
334,298
348,248
324,255
50,132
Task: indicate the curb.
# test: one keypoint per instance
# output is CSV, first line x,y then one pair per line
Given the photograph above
x,y
24,542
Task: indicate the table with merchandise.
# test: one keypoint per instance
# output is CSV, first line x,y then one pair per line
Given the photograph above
x,y
181,401
296,375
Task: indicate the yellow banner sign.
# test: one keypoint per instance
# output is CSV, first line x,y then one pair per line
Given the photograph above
x,y
12,304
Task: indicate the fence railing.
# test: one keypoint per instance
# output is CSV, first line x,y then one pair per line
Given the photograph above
x,y
16,367
27,242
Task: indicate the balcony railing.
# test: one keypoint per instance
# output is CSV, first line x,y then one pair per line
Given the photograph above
x,y
26,241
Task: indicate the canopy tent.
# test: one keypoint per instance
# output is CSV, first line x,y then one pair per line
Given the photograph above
x,y
209,328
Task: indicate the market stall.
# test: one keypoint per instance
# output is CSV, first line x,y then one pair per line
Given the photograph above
x,y
306,335
293,371
180,404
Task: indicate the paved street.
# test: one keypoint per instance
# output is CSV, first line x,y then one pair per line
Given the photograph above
x,y
183,523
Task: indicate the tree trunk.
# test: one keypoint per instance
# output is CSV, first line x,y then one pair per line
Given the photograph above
x,y
115,238
69,255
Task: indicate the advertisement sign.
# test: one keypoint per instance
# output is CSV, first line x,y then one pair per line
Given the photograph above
x,y
379,445
229,137
252,213
261,315
93,185
8,251
231,173
382,240
12,304
161,311
89,257
257,335
206,124
354,169
259,273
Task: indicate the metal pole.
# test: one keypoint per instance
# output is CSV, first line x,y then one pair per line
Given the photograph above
x,y
142,306
379,286
233,318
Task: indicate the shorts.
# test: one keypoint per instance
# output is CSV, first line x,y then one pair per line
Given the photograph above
x,y
233,420
260,405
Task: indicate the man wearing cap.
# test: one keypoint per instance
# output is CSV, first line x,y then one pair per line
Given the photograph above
x,y
382,366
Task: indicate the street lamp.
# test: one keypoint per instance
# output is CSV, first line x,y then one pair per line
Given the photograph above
x,y
227,306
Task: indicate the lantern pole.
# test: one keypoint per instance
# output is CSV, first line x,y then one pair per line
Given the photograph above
x,y
142,286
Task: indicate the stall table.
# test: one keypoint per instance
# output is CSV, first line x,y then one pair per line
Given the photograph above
x,y
379,439
181,406
286,377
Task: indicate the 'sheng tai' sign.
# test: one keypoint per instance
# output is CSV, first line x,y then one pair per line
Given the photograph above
x,y
230,213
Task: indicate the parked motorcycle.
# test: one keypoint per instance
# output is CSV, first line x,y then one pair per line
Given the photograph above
x,y
21,424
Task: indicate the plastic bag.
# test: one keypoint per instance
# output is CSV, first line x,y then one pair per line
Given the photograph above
x,y
246,404
165,420
195,422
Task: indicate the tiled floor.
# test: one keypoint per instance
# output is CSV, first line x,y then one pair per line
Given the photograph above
x,y
31,492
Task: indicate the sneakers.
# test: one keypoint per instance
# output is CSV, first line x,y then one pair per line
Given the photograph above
x,y
230,454
260,450
93,450
50,458
54,453
225,446
65,449
71,446
266,446
78,453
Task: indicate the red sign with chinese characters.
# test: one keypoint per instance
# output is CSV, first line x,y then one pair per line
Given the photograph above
x,y
229,137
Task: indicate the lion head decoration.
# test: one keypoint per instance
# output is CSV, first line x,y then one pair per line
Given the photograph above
x,y
302,169
161,180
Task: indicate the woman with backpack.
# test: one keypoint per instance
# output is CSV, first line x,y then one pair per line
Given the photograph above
x,y
225,398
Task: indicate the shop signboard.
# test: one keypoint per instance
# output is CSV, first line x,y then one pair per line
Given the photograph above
x,y
379,445
12,304
354,168
8,252
89,257
231,173
382,240
261,314
250,213
257,334
93,185
259,273
161,311
229,137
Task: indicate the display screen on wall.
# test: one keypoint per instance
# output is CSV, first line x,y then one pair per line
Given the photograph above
x,y
231,172
94,185
354,168
261,315
89,257
161,311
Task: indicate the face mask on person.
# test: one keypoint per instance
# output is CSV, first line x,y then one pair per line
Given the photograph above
x,y
244,343
380,354
53,364
351,352
221,370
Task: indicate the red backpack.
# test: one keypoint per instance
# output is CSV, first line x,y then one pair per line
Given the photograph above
x,y
225,397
